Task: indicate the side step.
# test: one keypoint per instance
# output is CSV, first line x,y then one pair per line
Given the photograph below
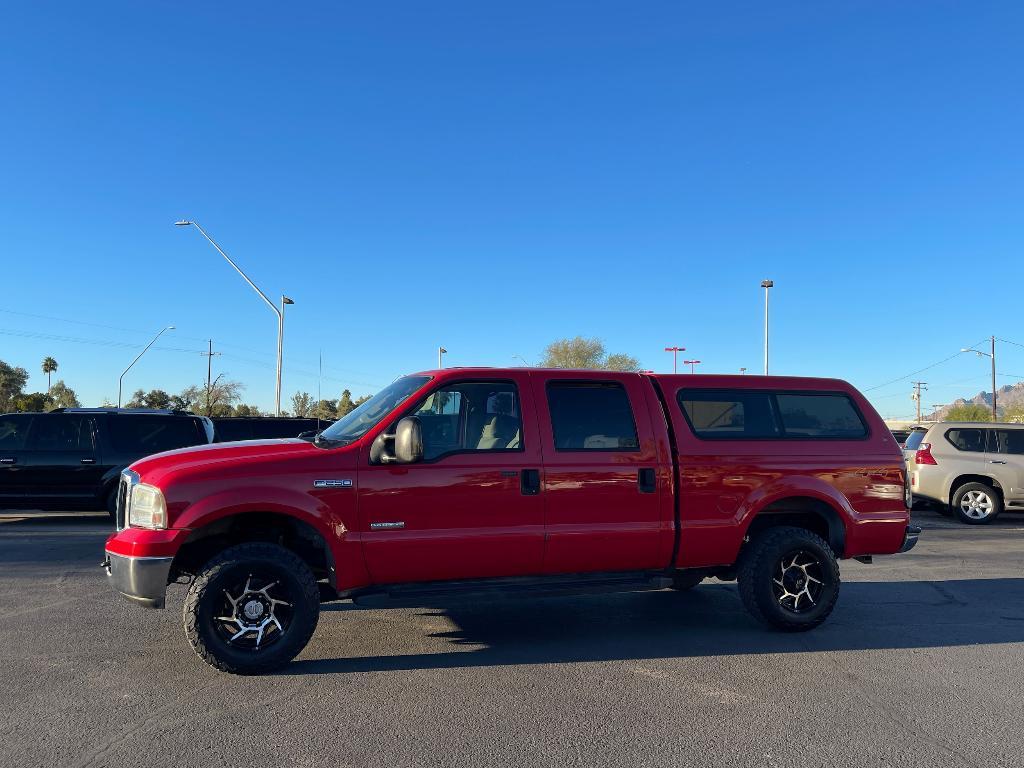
x,y
396,595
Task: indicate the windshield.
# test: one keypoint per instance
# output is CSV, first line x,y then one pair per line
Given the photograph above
x,y
358,422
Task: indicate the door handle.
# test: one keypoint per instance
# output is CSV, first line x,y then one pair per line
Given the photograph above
x,y
993,461
88,461
8,460
646,480
529,482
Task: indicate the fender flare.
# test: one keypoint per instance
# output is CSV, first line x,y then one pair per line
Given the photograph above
x,y
835,507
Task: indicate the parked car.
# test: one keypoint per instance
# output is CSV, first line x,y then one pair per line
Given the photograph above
x,y
228,429
73,457
520,481
977,469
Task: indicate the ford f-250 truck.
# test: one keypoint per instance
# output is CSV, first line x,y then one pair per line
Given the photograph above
x,y
524,481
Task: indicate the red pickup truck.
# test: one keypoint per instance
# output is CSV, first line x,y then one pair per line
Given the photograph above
x,y
521,481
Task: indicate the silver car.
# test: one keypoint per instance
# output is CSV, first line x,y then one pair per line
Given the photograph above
x,y
976,468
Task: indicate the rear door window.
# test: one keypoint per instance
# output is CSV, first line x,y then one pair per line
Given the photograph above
x,y
914,440
61,432
14,432
969,440
144,435
1009,441
591,416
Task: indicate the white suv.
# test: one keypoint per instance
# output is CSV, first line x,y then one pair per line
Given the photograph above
x,y
976,468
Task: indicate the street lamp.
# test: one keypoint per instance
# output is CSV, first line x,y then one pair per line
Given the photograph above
x,y
441,351
691,363
743,371
767,285
991,355
675,356
120,378
279,312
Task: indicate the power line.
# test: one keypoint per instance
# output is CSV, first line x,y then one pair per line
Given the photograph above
x,y
920,370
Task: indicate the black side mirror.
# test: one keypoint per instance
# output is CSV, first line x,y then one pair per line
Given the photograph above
x,y
409,441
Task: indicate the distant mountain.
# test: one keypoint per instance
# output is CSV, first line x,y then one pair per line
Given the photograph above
x,y
1011,394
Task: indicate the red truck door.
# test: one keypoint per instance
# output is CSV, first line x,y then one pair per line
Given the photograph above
x,y
472,508
607,481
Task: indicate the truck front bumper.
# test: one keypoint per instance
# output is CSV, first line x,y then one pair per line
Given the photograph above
x,y
142,580
910,538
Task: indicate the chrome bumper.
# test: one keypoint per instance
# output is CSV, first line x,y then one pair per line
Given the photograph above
x,y
910,538
142,580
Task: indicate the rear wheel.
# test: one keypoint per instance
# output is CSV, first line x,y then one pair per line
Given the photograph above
x,y
251,609
789,578
977,503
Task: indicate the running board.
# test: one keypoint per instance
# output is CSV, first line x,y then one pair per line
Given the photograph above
x,y
395,595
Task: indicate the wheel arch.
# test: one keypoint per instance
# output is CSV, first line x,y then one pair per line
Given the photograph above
x,y
812,513
963,479
297,535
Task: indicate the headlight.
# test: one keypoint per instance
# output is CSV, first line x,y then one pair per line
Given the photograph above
x,y
147,508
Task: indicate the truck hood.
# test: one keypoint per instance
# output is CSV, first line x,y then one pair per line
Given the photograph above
x,y
221,457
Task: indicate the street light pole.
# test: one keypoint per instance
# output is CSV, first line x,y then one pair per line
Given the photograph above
x,y
766,284
691,363
992,356
120,379
273,307
441,351
675,357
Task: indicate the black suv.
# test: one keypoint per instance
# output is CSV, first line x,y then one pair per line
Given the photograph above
x,y
72,457
228,429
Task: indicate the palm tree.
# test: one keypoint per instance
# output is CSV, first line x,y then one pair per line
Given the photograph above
x,y
49,367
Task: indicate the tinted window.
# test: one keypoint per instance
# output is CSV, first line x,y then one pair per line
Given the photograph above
x,y
144,435
476,416
1008,441
915,439
229,431
737,415
14,432
971,440
61,432
589,416
824,415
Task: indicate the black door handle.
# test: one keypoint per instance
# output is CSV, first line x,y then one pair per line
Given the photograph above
x,y
529,482
646,480
8,460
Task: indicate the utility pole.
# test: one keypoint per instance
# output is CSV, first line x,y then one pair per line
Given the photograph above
x,y
916,397
209,370
994,417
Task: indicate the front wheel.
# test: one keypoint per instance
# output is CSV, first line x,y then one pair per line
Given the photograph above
x,y
789,578
251,609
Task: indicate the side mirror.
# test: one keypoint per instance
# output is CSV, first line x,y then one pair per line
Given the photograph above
x,y
409,441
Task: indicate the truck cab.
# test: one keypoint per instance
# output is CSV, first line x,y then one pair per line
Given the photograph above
x,y
527,481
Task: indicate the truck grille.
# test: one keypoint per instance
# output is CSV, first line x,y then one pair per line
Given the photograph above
x,y
124,497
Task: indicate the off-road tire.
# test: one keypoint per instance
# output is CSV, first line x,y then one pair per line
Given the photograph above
x,y
272,561
683,581
760,563
994,495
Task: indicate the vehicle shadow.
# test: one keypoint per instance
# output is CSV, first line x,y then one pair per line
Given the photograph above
x,y
707,621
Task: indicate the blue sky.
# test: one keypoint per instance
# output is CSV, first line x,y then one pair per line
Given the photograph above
x,y
493,177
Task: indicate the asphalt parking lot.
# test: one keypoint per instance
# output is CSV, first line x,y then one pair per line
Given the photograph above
x,y
920,665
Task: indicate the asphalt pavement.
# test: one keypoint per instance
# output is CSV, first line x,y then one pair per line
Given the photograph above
x,y
920,665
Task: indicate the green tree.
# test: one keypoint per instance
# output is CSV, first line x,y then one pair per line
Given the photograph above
x,y
155,398
64,396
325,409
302,403
362,400
1014,414
969,412
12,382
345,404
49,367
217,398
586,353
248,410
37,401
